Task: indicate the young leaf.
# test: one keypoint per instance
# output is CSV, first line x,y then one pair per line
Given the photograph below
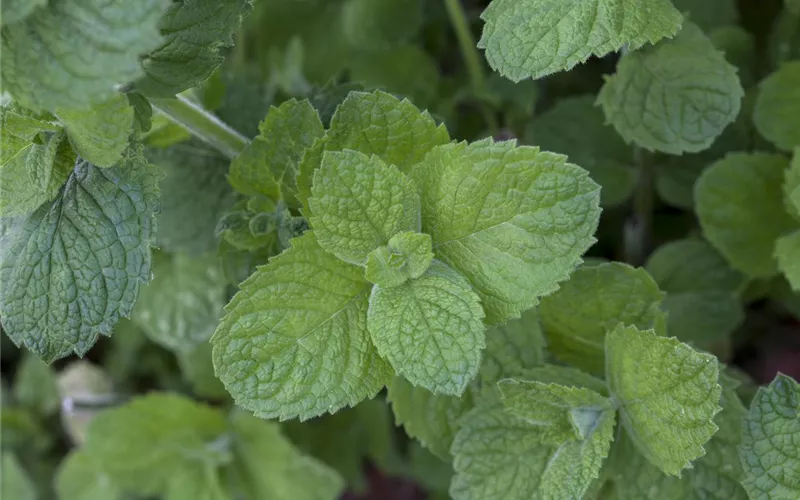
x,y
778,106
194,194
72,53
667,394
408,255
181,306
430,418
770,442
100,134
512,349
787,253
533,38
430,329
358,203
740,207
80,477
270,467
15,481
675,97
268,165
513,220
194,33
294,341
576,127
146,442
89,251
577,317
377,124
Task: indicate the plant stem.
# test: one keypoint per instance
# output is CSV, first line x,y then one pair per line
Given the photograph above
x,y
202,124
639,226
472,58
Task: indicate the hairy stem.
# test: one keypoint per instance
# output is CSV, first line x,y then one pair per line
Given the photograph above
x,y
639,226
472,58
202,124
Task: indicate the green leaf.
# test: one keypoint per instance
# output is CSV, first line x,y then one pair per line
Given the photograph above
x,y
373,25
407,70
15,481
577,317
703,318
181,306
740,206
195,194
377,124
512,349
791,186
633,477
787,252
430,418
500,456
72,53
146,442
294,341
35,386
80,477
270,467
100,134
576,127
667,394
676,97
35,160
513,220
711,13
770,441
14,11
268,165
197,483
778,106
358,203
533,38
692,265
408,255
566,376
198,369
72,268
430,329
194,33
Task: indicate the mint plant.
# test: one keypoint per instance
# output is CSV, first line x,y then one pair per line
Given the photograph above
x,y
308,245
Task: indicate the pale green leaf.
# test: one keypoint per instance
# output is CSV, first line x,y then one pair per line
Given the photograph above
x,y
577,317
80,477
72,53
197,483
513,220
269,466
777,110
430,329
533,38
181,306
35,386
377,124
771,440
432,419
195,194
358,203
100,134
14,481
739,202
72,268
371,25
198,369
268,165
144,443
576,127
787,253
294,341
692,265
512,349
194,34
34,173
408,255
667,395
14,11
567,376
675,97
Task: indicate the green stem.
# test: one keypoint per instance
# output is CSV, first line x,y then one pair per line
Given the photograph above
x,y
472,58
639,227
202,124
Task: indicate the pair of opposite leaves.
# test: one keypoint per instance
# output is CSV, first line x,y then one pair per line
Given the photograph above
x,y
404,263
